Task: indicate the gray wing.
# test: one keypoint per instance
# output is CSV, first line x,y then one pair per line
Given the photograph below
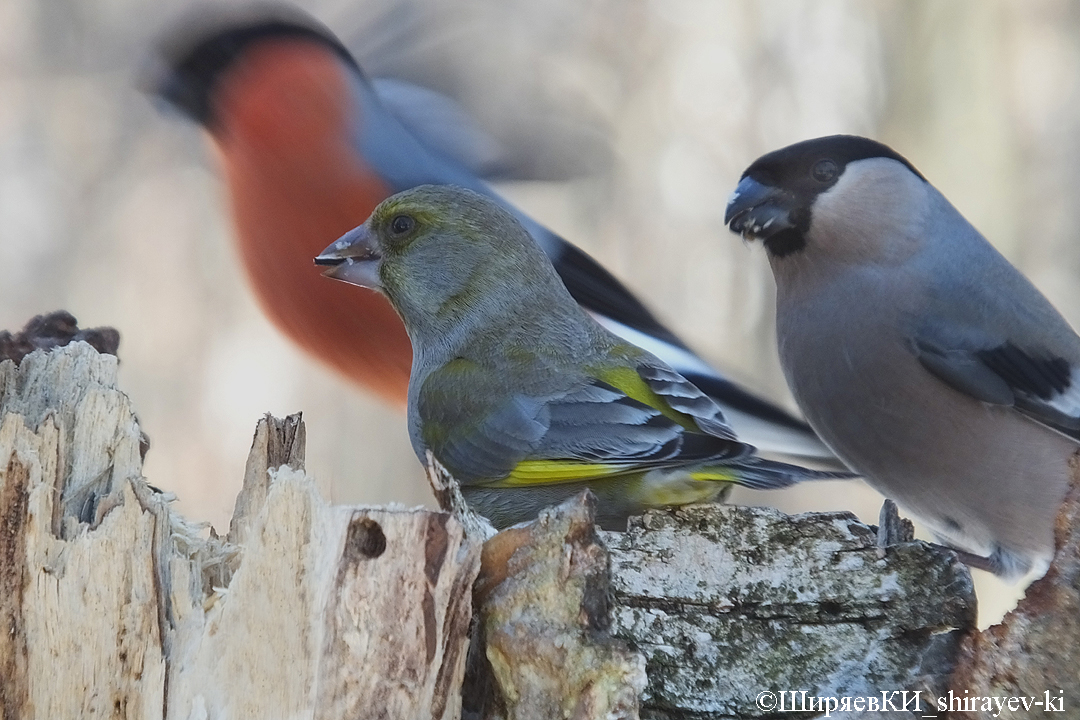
x,y
987,331
591,423
441,125
1035,380
685,397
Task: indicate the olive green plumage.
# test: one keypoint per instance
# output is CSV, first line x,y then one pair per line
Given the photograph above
x,y
518,392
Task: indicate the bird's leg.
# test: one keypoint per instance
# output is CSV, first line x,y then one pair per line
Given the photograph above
x,y
990,564
893,530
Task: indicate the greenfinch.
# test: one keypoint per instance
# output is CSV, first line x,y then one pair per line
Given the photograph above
x,y
517,391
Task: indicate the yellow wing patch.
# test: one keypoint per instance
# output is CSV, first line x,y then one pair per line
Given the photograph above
x,y
550,472
679,494
630,382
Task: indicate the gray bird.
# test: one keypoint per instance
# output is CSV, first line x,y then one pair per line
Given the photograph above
x,y
925,360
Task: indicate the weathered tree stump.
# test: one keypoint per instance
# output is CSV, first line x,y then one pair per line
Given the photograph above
x,y
729,610
112,605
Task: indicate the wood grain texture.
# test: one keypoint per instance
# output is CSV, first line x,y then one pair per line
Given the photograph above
x,y
88,619
114,606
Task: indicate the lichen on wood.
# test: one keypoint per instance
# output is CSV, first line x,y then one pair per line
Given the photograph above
x,y
719,604
113,605
728,602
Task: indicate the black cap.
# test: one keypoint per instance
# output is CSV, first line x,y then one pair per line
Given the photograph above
x,y
197,50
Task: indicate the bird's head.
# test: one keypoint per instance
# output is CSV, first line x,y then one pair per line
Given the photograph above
x,y
441,252
843,196
266,45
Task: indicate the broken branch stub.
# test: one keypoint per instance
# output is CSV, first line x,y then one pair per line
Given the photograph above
x,y
114,606
543,612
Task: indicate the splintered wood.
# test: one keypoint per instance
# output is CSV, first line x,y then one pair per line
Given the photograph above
x,y
113,606
79,550
545,615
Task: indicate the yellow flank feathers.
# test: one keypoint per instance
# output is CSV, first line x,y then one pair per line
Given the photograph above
x,y
678,493
713,476
630,382
549,472
681,487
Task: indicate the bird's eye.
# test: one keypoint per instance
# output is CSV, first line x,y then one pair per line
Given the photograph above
x,y
824,171
401,224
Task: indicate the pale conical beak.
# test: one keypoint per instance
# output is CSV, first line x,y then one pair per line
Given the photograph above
x,y
353,258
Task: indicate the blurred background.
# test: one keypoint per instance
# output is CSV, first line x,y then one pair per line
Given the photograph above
x,y
637,117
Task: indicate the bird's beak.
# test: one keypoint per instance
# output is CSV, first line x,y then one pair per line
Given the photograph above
x,y
170,92
173,87
354,258
758,211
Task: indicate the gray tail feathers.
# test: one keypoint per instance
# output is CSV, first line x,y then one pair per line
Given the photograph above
x,y
761,474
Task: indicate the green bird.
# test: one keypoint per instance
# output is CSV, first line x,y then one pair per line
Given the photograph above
x,y
518,392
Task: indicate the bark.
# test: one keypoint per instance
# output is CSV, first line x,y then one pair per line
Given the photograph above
x,y
1034,653
55,329
544,623
112,605
723,606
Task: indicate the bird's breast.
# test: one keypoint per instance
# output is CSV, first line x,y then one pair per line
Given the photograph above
x,y
982,475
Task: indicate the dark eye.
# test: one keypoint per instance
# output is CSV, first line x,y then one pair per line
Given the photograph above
x,y
401,224
824,171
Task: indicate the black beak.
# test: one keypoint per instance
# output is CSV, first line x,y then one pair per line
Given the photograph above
x,y
758,211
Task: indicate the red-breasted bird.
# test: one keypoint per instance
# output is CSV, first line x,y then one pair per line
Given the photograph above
x,y
309,146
